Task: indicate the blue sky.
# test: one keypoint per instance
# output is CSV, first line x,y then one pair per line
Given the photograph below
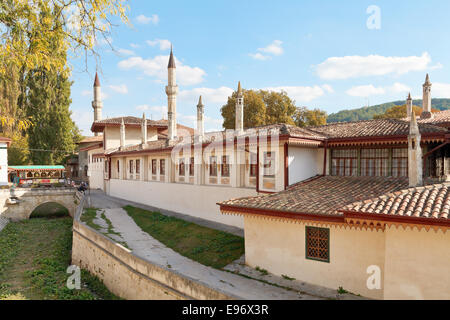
x,y
321,52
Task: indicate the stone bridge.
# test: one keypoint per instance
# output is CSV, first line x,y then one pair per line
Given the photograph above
x,y
18,204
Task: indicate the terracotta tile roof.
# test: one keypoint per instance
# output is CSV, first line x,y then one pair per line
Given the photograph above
x,y
131,120
441,118
322,195
92,139
431,201
372,128
160,144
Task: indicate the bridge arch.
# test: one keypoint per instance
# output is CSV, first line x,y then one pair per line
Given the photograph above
x,y
49,209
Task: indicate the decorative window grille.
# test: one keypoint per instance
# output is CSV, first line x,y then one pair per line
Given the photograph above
x,y
269,164
181,169
317,244
375,162
253,164
225,166
154,163
191,167
400,162
344,162
213,166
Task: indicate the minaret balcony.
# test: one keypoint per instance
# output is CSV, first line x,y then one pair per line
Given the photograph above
x,y
171,90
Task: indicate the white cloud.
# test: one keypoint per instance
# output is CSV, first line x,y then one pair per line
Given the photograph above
x,y
125,52
164,44
134,45
373,65
89,93
273,48
142,107
146,20
399,88
302,94
259,56
440,90
211,124
157,67
83,120
153,112
209,95
365,91
328,88
122,88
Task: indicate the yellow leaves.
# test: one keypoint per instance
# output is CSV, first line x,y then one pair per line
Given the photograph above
x,y
20,124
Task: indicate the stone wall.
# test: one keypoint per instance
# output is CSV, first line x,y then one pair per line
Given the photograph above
x,y
129,276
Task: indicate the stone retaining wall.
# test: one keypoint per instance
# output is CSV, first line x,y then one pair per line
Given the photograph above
x,y
128,275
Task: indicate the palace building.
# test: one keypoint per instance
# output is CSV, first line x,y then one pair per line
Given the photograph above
x,y
360,205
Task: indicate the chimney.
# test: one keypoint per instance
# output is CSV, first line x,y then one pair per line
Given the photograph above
x,y
144,129
426,100
97,103
414,154
172,91
122,135
200,120
409,105
239,117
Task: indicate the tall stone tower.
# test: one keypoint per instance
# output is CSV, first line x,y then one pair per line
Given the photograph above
x,y
426,104
172,91
414,154
409,105
97,103
200,119
239,117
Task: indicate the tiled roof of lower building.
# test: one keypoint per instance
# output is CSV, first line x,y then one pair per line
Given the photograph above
x,y
373,128
322,195
441,118
431,201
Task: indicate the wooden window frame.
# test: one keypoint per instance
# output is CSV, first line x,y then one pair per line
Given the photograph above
x,y
138,166
191,167
339,168
131,164
225,166
154,167
181,167
253,166
269,156
213,166
382,161
162,167
327,260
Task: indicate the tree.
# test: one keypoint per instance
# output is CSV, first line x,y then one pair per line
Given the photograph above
x,y
254,110
260,108
399,112
305,117
27,37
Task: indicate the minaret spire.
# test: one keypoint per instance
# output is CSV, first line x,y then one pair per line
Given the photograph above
x,y
144,129
409,106
200,119
172,91
414,154
97,103
122,134
239,117
426,102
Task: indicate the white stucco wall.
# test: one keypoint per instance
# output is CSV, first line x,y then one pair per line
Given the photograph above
x,y
132,136
195,200
3,163
96,169
304,163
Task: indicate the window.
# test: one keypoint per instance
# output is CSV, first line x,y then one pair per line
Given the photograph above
x,y
317,243
181,169
269,164
191,167
131,166
154,163
400,162
106,166
118,166
374,162
253,164
162,167
225,166
213,166
138,164
344,162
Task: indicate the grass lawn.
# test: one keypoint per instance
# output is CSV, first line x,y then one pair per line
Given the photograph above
x,y
34,256
208,246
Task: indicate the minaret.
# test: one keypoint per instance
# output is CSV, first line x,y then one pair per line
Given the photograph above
x,y
409,105
239,121
122,134
414,154
172,91
426,104
144,129
200,119
97,103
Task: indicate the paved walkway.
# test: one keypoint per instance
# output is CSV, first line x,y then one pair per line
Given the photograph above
x,y
3,223
145,246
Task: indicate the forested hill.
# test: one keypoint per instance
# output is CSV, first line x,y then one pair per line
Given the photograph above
x,y
367,113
